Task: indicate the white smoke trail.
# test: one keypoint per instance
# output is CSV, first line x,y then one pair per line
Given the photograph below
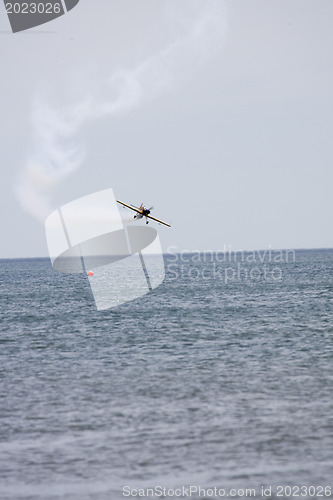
x,y
54,153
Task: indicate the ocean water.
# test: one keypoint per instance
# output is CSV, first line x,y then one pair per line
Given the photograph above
x,y
221,378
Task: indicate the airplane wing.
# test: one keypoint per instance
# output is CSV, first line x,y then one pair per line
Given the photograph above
x,y
128,206
140,211
157,220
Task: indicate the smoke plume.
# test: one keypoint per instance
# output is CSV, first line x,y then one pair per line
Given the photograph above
x,y
54,152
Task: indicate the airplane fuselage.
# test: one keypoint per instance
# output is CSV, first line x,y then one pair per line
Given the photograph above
x,y
144,212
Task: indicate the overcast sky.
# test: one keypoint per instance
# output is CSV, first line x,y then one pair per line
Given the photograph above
x,y
220,114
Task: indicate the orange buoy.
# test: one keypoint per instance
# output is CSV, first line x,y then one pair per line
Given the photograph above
x,y
91,273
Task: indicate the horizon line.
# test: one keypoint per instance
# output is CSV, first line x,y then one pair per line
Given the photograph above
x,y
191,252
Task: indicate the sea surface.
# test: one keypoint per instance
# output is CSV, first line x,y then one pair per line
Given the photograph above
x,y
222,377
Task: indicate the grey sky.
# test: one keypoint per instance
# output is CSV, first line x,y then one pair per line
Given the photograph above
x,y
236,149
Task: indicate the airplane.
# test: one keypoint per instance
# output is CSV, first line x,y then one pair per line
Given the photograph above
x,y
141,211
